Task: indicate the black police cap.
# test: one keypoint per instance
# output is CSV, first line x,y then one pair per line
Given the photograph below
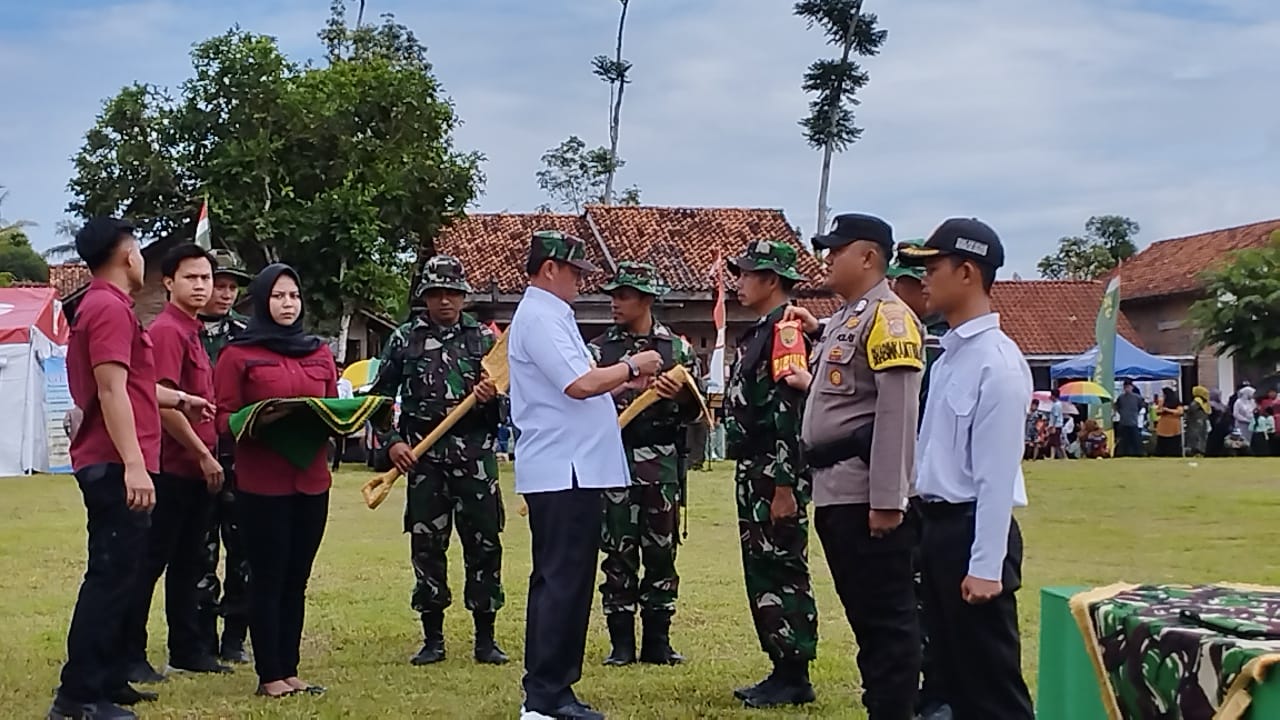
x,y
99,236
969,238
851,227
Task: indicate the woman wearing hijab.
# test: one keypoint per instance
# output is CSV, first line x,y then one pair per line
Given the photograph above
x,y
1243,411
283,508
1169,425
1219,425
1197,421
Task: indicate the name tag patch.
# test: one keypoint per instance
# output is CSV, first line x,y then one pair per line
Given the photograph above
x,y
894,340
977,247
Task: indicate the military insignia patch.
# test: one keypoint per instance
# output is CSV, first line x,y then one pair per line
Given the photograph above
x,y
851,323
836,354
894,340
862,305
836,377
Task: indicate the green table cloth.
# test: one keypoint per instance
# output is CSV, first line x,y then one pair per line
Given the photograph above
x,y
1168,652
298,428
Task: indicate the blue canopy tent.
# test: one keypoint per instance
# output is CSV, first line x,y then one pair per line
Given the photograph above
x,y
1132,363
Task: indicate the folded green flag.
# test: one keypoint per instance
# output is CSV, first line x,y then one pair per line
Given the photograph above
x,y
309,424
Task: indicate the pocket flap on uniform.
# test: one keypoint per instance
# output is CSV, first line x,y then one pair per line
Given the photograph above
x,y
961,397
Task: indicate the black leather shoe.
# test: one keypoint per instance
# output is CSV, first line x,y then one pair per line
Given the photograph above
x,y
129,695
207,664
655,646
141,673
432,640
576,711
622,636
64,709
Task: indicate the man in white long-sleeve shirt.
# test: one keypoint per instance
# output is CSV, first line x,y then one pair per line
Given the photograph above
x,y
969,464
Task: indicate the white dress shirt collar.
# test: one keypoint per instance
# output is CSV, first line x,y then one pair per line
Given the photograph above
x,y
970,329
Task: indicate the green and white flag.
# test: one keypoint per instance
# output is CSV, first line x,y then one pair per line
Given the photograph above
x,y
203,237
1104,371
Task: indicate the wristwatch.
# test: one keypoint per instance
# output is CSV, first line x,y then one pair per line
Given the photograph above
x,y
631,367
182,401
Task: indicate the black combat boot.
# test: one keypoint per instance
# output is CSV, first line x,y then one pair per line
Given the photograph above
x,y
487,650
232,649
432,639
655,644
789,685
743,693
622,635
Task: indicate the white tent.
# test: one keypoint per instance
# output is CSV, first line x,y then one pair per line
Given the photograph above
x,y
33,335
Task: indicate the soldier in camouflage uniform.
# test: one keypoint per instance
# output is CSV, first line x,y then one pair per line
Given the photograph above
x,y
641,521
433,363
762,433
230,599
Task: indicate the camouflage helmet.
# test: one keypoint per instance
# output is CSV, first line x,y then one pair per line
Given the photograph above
x,y
903,267
771,255
443,272
555,245
640,276
229,263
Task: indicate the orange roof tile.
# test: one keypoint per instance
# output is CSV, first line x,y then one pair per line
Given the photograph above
x,y
1173,267
681,242
1044,317
68,278
1053,317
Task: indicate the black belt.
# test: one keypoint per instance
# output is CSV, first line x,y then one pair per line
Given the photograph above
x,y
940,510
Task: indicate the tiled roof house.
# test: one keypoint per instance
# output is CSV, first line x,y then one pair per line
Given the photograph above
x,y
1050,320
1159,285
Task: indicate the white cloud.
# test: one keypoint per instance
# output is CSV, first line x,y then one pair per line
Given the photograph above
x,y
1029,113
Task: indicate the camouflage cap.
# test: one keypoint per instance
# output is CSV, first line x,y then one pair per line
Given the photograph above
x,y
229,263
771,255
555,245
641,276
443,272
912,269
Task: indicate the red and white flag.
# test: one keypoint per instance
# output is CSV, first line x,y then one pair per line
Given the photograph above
x,y
715,384
204,237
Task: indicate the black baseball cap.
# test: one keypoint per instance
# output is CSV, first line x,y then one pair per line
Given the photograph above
x,y
99,236
851,227
969,238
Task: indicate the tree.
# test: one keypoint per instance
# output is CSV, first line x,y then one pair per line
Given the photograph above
x,y
835,83
614,72
19,260
1241,308
11,229
345,169
574,176
1108,241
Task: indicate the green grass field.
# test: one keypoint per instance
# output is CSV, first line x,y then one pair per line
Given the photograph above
x,y
1089,523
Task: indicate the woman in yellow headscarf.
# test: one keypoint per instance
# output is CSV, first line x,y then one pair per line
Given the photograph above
x,y
1197,421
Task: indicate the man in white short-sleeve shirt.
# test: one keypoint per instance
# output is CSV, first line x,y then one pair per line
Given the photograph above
x,y
570,451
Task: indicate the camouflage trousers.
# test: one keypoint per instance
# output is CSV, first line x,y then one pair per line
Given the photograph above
x,y
468,493
640,530
775,565
230,598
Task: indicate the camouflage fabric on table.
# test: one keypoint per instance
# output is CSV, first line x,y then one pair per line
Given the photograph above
x,y
1172,651
433,369
762,433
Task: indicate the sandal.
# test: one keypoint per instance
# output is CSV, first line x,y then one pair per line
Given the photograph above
x,y
262,692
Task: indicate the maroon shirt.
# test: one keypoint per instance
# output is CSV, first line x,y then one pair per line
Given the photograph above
x,y
182,362
246,374
107,331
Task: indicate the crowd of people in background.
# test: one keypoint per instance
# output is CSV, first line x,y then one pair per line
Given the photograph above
x,y
1163,426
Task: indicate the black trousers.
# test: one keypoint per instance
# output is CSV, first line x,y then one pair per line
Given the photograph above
x,y
175,548
875,578
565,527
117,540
282,535
976,651
1129,441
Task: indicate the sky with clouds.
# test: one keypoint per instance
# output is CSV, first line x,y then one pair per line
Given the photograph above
x,y
1030,114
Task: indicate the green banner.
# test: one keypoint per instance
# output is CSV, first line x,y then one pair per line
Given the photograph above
x,y
1104,371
